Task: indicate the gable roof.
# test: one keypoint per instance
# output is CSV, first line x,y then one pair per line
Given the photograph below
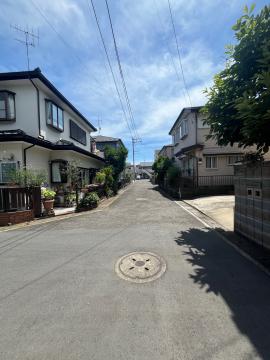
x,y
165,147
107,139
192,109
37,74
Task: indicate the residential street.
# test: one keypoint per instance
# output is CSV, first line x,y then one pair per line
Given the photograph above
x,y
62,299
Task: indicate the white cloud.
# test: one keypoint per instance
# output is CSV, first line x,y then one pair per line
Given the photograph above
x,y
146,47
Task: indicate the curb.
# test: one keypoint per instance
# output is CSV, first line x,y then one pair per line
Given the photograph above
x,y
221,235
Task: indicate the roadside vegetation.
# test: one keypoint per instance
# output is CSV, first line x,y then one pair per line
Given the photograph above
x,y
238,106
109,179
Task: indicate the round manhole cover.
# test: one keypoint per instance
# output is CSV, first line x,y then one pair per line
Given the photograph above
x,y
140,267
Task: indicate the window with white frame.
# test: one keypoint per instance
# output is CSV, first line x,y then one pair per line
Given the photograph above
x,y
176,136
7,105
55,115
183,129
232,159
6,171
211,162
59,171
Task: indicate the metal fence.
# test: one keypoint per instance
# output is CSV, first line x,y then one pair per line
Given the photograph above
x,y
215,180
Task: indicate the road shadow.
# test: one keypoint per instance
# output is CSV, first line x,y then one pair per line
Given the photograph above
x,y
219,269
169,196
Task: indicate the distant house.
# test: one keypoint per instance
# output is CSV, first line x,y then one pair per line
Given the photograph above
x,y
144,169
42,130
199,158
167,151
100,142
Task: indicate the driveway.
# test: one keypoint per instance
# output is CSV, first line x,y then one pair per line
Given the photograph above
x,y
60,297
220,208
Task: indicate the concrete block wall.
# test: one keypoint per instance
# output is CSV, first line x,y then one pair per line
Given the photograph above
x,y
252,202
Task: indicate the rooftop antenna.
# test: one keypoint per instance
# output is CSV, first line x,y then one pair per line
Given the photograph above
x,y
99,125
30,39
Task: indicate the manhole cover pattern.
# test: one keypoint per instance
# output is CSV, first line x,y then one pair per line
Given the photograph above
x,y
140,267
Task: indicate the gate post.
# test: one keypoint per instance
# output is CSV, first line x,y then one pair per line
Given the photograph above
x,y
36,201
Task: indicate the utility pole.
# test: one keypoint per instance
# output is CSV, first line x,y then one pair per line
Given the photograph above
x,y
134,141
29,40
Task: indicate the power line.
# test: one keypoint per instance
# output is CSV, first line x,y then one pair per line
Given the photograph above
x,y
109,62
178,52
121,73
168,47
74,54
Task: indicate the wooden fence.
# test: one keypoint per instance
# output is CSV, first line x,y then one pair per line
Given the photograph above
x,y
20,198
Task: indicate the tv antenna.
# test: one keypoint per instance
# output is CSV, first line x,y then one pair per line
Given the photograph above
x,y
99,125
30,39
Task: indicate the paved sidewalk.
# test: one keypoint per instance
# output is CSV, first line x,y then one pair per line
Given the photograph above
x,y
219,208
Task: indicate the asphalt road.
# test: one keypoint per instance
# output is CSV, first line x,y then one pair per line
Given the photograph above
x,y
60,297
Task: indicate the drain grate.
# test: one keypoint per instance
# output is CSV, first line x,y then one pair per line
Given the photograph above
x,y
140,267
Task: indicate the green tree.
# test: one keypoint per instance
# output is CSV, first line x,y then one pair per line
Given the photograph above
x,y
160,167
116,158
105,177
238,106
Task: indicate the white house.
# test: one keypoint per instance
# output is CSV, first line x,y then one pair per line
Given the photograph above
x,y
41,129
198,157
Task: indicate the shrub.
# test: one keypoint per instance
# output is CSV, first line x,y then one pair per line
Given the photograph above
x,y
105,177
89,201
48,194
173,174
28,177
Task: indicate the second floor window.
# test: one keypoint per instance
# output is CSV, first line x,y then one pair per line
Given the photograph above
x,y
183,130
7,106
55,116
77,133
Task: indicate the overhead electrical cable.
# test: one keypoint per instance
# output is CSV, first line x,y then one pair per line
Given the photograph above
x,y
121,73
178,52
160,22
110,66
75,55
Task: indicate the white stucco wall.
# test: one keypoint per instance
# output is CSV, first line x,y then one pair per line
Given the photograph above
x,y
54,135
9,149
27,112
81,160
26,107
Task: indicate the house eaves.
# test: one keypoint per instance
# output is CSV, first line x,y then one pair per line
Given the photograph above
x,y
37,74
188,149
192,109
19,135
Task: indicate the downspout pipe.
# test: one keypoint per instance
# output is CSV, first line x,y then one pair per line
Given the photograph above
x,y
38,106
24,154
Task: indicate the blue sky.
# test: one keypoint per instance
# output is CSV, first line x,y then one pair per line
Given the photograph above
x,y
78,68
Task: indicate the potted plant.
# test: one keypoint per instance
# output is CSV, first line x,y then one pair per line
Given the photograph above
x,y
48,200
90,201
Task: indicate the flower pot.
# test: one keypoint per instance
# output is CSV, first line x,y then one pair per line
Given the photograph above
x,y
48,204
48,207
